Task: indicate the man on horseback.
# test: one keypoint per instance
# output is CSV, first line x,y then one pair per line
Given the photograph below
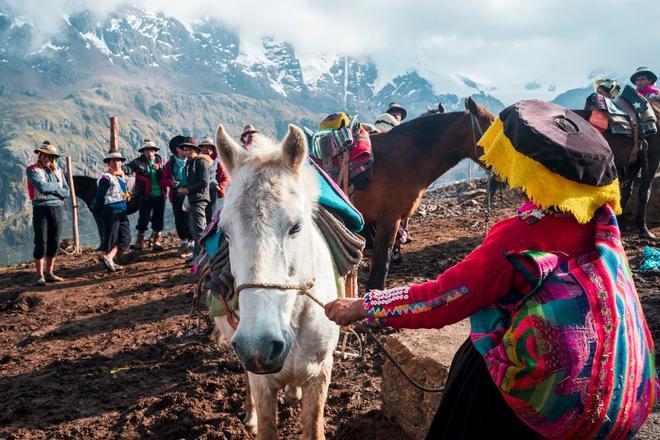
x,y
246,136
645,80
392,117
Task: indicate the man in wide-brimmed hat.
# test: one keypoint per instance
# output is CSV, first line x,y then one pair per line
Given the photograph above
x,y
219,178
47,188
198,170
174,177
393,116
148,169
645,80
246,136
110,203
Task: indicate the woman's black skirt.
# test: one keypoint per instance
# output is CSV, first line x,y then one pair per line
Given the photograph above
x,y
116,230
472,406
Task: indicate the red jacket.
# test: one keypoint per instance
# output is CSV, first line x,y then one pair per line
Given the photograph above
x,y
222,178
483,277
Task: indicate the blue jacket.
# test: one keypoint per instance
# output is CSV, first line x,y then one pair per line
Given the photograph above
x,y
46,187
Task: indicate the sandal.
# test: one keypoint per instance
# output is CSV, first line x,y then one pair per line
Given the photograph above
x,y
109,264
52,278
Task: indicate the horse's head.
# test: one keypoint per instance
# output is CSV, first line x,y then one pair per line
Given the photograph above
x,y
267,219
478,119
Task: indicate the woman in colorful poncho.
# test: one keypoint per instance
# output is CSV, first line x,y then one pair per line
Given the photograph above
x,y
559,346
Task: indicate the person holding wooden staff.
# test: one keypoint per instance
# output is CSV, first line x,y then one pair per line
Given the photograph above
x,y
47,189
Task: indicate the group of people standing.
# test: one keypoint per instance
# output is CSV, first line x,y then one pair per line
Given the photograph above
x,y
192,179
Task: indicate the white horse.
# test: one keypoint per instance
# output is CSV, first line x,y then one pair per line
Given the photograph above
x,y
283,339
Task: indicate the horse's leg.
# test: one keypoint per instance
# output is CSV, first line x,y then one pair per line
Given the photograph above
x,y
645,184
265,399
314,395
224,331
380,260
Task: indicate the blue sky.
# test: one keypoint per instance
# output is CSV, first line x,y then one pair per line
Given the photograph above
x,y
517,49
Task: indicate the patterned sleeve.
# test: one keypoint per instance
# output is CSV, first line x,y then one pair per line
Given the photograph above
x,y
481,279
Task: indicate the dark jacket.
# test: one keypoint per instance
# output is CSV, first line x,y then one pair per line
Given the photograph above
x,y
140,167
198,175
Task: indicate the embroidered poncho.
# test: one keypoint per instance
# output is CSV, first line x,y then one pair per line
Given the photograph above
x,y
555,314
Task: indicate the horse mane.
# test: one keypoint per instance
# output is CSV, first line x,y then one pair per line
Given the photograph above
x,y
419,127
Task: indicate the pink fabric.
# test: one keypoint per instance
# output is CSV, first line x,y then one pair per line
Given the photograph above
x,y
649,90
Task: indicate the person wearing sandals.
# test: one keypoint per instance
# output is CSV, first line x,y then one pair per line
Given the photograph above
x,y
47,188
559,346
110,203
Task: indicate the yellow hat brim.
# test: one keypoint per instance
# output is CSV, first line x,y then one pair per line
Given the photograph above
x,y
543,187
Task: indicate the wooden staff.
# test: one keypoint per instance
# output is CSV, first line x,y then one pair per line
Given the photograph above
x,y
114,134
74,205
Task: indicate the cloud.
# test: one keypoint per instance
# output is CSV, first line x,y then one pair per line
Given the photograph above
x,y
503,44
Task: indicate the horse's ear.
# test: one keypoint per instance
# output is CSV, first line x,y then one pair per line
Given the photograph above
x,y
472,106
294,148
230,152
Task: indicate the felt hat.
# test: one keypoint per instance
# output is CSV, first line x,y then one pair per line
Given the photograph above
x,y
643,71
175,142
249,129
188,141
556,157
113,155
207,141
47,147
148,143
395,106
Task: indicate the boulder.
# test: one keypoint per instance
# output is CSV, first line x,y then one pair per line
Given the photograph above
x,y
426,356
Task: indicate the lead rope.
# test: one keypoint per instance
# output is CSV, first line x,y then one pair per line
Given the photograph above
x,y
487,211
305,290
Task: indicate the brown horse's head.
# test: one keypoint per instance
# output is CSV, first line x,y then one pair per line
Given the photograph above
x,y
478,120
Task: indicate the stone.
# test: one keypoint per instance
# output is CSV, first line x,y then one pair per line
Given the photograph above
x,y
426,356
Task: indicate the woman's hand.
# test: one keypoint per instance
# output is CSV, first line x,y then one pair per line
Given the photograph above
x,y
183,191
345,311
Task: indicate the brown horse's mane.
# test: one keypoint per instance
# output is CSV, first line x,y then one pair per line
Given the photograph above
x,y
420,127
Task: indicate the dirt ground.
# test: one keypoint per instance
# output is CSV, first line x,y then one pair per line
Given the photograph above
x,y
109,355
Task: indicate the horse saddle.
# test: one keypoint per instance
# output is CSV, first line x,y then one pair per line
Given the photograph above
x,y
328,145
629,110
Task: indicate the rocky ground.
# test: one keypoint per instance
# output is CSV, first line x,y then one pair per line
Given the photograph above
x,y
110,355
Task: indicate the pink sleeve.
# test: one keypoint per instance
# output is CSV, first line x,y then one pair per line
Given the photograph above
x,y
480,280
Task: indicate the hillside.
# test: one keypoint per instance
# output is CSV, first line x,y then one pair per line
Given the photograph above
x,y
111,355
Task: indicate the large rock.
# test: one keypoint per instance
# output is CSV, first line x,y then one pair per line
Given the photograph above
x,y
426,356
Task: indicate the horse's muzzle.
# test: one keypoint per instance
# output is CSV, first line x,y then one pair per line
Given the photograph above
x,y
265,355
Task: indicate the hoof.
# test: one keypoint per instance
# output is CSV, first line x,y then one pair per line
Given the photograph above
x,y
397,257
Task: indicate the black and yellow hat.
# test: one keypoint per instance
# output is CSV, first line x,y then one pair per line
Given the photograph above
x,y
556,157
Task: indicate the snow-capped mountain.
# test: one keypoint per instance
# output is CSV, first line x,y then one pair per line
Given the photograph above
x,y
142,47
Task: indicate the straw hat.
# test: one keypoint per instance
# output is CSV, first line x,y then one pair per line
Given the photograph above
x,y
556,157
207,141
114,155
148,143
47,147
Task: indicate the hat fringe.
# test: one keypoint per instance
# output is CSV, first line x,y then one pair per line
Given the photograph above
x,y
543,187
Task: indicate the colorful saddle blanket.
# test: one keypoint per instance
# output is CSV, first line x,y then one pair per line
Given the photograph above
x,y
328,145
335,213
629,109
573,357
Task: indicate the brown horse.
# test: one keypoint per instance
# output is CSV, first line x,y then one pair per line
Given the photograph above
x,y
409,158
629,165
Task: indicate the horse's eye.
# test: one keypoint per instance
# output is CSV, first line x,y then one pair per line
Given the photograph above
x,y
295,228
